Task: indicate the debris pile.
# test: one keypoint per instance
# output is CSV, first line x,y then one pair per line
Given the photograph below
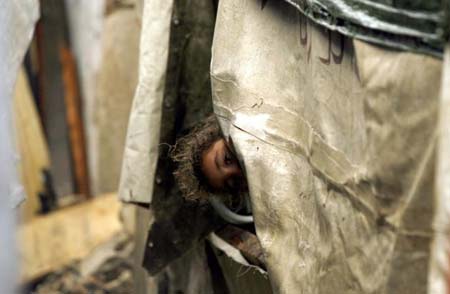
x,y
107,270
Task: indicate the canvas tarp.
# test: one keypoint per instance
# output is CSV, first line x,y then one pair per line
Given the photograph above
x,y
337,138
440,265
141,147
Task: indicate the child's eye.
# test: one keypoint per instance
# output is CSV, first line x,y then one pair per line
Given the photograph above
x,y
228,160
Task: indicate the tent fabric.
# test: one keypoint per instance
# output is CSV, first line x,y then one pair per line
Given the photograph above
x,y
421,25
440,265
141,147
337,138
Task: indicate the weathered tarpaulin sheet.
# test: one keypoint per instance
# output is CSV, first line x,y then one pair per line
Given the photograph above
x,y
421,25
141,147
17,20
337,138
440,261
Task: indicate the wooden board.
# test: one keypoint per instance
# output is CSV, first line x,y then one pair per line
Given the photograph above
x,y
48,242
32,147
75,122
52,37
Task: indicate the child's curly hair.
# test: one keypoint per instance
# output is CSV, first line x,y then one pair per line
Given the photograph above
x,y
187,155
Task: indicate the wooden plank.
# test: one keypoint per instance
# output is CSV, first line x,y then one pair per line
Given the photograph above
x,y
32,147
75,122
56,239
52,36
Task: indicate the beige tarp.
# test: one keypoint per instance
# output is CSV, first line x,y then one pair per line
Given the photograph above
x,y
440,262
141,147
338,141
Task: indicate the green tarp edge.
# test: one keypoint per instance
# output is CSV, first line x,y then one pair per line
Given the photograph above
x,y
423,27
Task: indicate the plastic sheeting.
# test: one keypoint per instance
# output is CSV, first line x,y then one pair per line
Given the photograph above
x,y
141,147
420,25
338,141
17,20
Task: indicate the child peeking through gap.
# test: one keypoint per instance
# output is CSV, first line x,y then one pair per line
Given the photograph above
x,y
206,163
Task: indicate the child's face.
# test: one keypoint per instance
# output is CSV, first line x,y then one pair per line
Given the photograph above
x,y
220,166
